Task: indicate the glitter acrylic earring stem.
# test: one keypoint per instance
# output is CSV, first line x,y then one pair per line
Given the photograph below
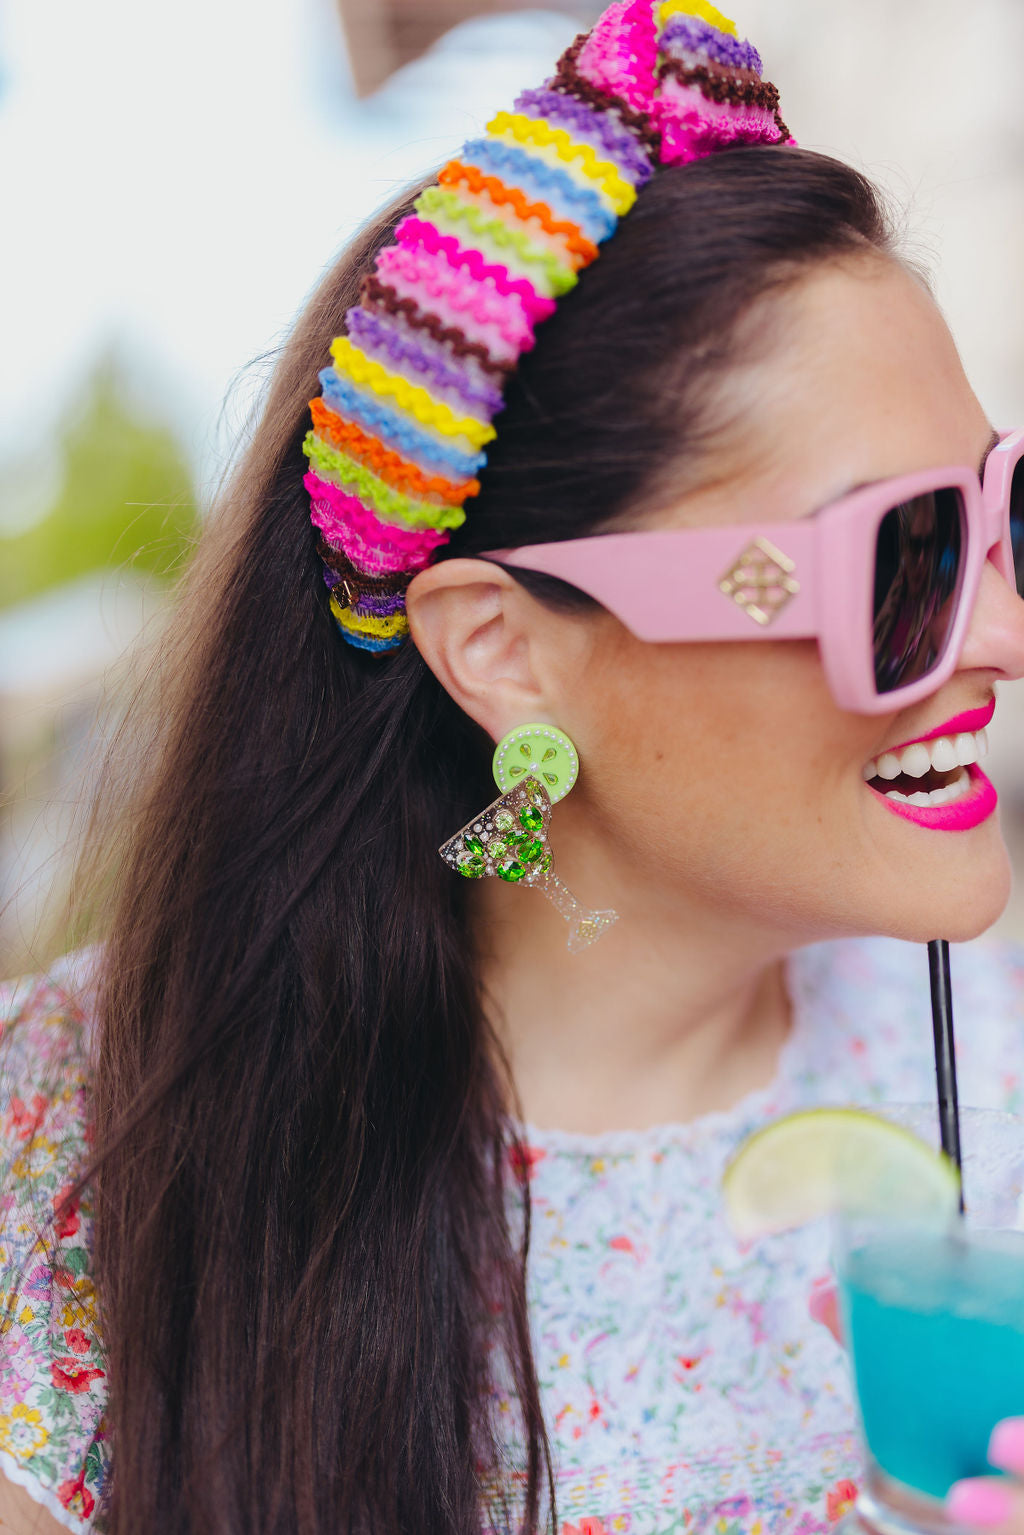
x,y
535,766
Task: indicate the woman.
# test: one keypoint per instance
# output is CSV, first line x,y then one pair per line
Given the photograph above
x,y
338,1092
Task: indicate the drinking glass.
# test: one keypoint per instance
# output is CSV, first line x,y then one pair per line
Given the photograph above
x,y
933,1316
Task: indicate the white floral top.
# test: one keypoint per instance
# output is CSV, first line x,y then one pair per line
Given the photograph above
x,y
686,1387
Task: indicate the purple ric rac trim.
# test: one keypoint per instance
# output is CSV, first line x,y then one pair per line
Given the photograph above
x,y
367,604
375,334
379,607
488,384
698,36
599,129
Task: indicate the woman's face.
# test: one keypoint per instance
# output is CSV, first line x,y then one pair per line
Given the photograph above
x,y
726,772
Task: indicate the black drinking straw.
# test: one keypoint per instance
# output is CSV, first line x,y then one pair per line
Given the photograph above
x,y
945,1059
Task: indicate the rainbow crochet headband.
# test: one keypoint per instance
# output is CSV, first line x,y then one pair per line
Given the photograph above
x,y
406,408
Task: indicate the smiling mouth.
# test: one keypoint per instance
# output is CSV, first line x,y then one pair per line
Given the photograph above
x,y
928,773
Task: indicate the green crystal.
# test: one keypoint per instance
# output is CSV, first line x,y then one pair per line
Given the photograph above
x,y
472,868
531,818
503,820
512,871
529,852
474,845
548,861
498,847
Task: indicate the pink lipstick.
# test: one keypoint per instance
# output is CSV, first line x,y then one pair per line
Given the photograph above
x,y
962,814
934,779
970,720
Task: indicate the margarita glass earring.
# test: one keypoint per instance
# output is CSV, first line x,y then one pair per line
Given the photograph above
x,y
535,766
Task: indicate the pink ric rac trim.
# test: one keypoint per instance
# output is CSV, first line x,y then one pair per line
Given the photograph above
x,y
962,815
412,232
495,320
691,126
621,53
373,546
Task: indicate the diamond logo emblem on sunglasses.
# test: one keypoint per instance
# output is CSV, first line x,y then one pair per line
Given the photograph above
x,y
761,581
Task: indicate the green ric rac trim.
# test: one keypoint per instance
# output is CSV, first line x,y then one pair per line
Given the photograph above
x,y
450,206
391,504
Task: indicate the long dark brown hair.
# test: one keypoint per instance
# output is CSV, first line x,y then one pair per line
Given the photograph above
x,y
311,1217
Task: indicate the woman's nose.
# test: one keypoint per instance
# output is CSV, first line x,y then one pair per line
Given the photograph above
x,y
995,636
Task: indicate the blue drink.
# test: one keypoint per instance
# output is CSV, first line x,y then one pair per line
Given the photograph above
x,y
935,1324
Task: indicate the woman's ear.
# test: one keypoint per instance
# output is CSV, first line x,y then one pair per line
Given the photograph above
x,y
477,629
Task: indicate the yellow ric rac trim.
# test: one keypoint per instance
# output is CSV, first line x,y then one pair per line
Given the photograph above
x,y
363,623
436,200
701,8
389,504
537,130
363,370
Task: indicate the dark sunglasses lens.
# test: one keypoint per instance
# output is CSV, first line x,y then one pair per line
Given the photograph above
x,y
918,564
1017,524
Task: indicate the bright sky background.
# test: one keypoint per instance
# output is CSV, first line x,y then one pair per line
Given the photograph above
x,y
174,178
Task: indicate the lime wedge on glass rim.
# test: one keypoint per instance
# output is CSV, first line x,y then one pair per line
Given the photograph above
x,y
822,1161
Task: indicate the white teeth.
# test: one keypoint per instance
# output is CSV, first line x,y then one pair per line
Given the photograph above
x,y
943,754
915,761
966,749
944,757
943,796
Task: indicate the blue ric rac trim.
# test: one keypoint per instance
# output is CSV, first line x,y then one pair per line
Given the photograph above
x,y
369,641
397,431
543,182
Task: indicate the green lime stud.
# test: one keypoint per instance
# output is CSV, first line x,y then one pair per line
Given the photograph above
x,y
512,871
538,751
474,845
472,868
529,852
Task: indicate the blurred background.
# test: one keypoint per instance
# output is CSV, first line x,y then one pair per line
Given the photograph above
x,y
175,178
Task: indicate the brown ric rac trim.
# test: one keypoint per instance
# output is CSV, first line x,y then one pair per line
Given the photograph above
x,y
726,72
567,78
739,86
357,580
381,293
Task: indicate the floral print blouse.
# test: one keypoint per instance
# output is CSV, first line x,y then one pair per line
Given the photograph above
x,y
686,1387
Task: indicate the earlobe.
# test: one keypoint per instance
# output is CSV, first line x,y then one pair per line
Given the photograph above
x,y
470,621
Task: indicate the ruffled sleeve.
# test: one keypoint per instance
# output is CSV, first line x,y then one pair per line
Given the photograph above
x,y
52,1372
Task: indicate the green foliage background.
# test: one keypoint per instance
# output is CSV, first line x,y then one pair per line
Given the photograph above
x,y
125,497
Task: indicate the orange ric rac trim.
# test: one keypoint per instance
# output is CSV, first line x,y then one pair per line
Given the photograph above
x,y
576,241
386,463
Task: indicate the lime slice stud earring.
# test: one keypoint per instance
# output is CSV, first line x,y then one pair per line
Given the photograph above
x,y
535,766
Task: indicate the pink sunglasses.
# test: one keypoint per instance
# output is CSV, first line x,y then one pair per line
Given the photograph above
x,y
885,579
